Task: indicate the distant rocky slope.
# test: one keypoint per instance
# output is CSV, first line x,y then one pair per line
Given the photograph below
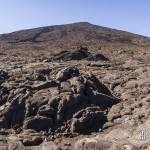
x,y
75,33
75,86
40,43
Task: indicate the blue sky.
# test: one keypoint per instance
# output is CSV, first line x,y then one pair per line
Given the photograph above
x,y
128,15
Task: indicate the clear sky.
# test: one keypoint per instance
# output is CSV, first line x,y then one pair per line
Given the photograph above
x,y
128,15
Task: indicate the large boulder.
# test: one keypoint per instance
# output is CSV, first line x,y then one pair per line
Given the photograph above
x,y
3,76
38,123
83,120
67,73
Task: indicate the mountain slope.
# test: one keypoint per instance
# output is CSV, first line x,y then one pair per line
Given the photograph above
x,y
74,32
41,43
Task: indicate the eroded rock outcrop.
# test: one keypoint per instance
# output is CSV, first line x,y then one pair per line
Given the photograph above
x,y
73,101
80,54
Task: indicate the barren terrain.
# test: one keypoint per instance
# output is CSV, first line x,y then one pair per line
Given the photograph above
x,y
77,86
